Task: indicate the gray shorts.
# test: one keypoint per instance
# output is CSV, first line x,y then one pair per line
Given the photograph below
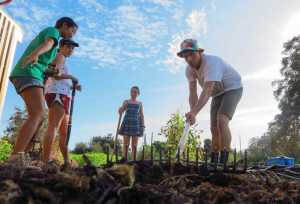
x,y
23,82
225,104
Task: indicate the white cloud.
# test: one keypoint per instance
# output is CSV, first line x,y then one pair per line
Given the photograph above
x,y
41,15
196,20
163,2
178,14
91,25
213,6
173,63
176,87
136,54
198,25
270,72
108,59
95,68
20,12
91,5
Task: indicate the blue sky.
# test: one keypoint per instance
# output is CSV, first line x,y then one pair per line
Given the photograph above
x,y
125,43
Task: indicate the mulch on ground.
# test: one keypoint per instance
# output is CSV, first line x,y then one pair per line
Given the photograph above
x,y
142,183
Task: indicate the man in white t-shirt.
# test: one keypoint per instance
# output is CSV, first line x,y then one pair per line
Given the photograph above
x,y
219,80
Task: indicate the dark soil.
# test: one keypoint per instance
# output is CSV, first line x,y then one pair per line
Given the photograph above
x,y
142,183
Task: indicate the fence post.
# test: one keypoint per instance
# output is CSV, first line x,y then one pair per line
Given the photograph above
x,y
126,152
224,159
206,150
117,153
107,158
169,155
188,156
216,159
234,160
143,154
134,159
160,156
178,156
151,154
245,163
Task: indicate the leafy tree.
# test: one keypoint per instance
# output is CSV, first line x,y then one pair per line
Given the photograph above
x,y
98,144
207,144
284,131
104,142
256,151
164,148
80,148
15,122
173,131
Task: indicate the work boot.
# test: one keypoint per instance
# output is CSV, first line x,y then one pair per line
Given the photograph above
x,y
212,159
20,161
28,160
222,157
50,167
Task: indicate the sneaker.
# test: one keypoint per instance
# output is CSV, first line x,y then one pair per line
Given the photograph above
x,y
28,160
50,167
20,161
16,160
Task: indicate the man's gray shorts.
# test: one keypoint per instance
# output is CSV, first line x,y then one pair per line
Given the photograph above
x,y
225,104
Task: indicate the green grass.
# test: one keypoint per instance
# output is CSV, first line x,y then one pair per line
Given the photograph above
x,y
97,159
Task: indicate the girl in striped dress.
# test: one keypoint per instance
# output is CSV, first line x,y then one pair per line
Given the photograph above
x,y
133,124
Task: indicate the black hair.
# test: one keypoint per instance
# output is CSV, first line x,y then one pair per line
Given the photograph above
x,y
137,88
67,20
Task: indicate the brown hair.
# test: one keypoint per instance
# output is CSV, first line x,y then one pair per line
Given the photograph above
x,y
137,88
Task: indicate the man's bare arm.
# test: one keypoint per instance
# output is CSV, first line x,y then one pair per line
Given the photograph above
x,y
33,57
204,96
193,98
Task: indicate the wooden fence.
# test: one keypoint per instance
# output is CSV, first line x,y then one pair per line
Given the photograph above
x,y
10,34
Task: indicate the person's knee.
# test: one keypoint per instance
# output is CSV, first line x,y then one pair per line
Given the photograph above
x,y
223,121
39,116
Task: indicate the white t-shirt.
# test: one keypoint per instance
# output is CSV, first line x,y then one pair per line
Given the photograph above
x,y
61,86
214,68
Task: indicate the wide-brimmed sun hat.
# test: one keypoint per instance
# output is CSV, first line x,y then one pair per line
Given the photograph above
x,y
189,44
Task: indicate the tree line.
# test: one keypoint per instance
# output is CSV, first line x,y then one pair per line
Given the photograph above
x,y
283,134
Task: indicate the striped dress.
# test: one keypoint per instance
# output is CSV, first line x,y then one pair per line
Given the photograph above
x,y
131,124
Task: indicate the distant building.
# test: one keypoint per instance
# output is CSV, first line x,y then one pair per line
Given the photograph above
x,y
10,34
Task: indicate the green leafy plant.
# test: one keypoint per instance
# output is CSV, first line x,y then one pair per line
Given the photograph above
x,y
147,152
97,159
173,131
5,150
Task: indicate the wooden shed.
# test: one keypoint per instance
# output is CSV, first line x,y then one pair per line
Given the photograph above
x,y
10,34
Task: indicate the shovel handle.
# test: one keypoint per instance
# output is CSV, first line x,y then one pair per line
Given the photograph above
x,y
117,133
116,138
184,138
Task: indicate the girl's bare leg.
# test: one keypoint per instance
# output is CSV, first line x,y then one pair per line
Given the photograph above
x,y
134,143
36,134
63,133
35,104
126,141
56,113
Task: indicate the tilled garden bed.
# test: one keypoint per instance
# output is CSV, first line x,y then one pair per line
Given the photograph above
x,y
142,183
